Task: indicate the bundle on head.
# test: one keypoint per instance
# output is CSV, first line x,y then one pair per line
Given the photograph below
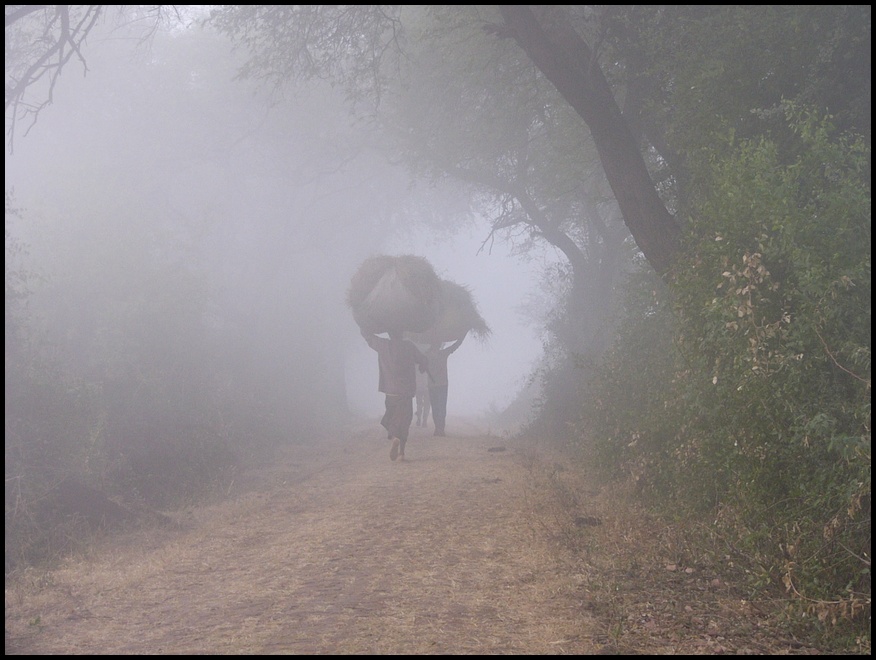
x,y
397,293
458,314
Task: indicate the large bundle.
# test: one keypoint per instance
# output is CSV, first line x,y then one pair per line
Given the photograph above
x,y
457,316
394,293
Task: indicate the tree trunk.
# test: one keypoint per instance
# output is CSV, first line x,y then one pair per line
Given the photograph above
x,y
567,61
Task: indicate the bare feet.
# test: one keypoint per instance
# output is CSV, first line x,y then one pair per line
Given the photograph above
x,y
393,453
401,458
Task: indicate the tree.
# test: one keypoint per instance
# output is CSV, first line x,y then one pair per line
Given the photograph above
x,y
695,75
41,41
566,59
374,37
475,111
362,47
461,107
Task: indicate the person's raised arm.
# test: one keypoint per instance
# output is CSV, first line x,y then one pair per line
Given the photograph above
x,y
455,345
370,337
421,360
423,363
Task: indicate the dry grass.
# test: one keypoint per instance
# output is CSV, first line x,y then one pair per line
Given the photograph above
x,y
652,586
459,315
405,301
416,272
336,551
333,549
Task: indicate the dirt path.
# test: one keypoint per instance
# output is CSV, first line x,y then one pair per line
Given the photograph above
x,y
463,549
338,551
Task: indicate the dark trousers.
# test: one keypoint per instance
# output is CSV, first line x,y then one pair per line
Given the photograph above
x,y
398,417
438,398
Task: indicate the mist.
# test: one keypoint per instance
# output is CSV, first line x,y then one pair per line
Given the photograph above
x,y
662,215
182,226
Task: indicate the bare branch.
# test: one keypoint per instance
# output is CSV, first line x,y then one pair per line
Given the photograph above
x,y
60,38
833,359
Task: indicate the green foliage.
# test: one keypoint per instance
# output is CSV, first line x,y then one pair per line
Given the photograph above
x,y
781,248
746,391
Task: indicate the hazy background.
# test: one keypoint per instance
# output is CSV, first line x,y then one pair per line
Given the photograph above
x,y
176,217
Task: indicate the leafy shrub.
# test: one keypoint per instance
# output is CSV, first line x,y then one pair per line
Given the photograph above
x,y
744,388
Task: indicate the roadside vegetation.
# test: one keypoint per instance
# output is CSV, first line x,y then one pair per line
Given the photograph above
x,y
738,400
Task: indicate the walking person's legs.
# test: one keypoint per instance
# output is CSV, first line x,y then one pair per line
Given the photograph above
x,y
397,421
438,398
406,416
